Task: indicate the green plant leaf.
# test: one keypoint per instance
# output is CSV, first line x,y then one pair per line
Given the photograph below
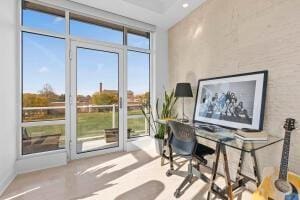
x,y
169,100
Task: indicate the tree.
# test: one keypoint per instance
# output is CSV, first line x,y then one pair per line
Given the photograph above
x,y
144,98
104,98
48,91
34,100
61,98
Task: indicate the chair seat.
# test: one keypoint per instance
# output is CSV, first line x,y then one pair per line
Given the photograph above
x,y
202,150
181,152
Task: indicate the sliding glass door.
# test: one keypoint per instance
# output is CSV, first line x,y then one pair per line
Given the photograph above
x,y
97,98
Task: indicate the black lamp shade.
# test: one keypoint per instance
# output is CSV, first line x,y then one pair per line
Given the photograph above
x,y
183,90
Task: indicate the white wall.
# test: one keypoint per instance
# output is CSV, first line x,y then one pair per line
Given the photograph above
x,y
8,69
41,162
224,37
161,63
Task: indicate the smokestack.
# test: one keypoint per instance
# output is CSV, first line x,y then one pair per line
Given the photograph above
x,y
100,89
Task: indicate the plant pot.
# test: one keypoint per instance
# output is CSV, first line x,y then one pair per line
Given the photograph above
x,y
159,145
111,135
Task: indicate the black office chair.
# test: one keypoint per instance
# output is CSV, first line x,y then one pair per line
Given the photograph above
x,y
183,142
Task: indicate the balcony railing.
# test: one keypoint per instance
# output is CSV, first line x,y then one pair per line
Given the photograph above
x,y
33,114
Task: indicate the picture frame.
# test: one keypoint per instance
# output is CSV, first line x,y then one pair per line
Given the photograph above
x,y
234,101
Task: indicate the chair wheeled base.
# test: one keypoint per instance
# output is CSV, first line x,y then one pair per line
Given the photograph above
x,y
193,171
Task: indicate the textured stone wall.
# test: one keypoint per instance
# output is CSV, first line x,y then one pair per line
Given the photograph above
x,y
224,37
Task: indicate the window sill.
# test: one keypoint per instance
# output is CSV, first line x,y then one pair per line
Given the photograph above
x,y
140,138
34,155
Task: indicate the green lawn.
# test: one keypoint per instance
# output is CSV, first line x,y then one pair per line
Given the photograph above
x,y
91,124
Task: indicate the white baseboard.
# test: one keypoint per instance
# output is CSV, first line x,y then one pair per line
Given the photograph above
x,y
142,143
4,183
35,163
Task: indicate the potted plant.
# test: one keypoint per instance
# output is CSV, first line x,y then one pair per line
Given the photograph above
x,y
112,134
167,111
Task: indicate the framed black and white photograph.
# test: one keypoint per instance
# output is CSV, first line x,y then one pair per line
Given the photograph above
x,y
235,101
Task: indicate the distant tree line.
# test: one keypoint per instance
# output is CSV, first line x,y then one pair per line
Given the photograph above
x,y
46,95
104,98
42,98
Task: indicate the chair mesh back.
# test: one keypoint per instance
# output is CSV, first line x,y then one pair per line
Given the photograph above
x,y
182,139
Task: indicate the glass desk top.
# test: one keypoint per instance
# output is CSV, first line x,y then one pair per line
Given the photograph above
x,y
228,138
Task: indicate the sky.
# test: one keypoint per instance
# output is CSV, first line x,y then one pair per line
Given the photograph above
x,y
44,57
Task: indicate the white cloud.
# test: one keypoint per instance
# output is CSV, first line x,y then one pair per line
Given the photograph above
x,y
57,19
140,44
43,69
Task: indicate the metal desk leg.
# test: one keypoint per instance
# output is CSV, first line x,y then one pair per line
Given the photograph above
x,y
255,168
227,174
171,157
239,170
163,156
165,146
214,171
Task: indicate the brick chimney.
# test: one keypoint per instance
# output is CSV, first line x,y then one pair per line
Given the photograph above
x,y
100,87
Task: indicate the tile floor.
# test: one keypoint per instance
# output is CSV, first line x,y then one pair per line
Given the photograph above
x,y
121,176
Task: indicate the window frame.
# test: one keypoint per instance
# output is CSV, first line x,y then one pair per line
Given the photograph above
x,y
68,38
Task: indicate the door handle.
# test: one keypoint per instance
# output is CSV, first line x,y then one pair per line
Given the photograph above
x,y
121,102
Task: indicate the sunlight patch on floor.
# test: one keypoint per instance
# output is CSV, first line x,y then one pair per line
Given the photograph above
x,y
118,176
22,193
112,165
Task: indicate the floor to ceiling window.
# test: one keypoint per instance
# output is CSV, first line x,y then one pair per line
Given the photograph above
x,y
138,93
138,83
47,34
43,81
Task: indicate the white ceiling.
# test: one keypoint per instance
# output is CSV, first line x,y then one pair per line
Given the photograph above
x,y
159,6
162,13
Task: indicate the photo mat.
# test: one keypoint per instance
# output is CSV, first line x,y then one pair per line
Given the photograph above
x,y
234,101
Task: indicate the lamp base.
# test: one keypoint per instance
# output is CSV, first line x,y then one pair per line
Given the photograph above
x,y
183,120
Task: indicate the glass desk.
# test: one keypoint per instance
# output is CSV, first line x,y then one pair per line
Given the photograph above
x,y
224,138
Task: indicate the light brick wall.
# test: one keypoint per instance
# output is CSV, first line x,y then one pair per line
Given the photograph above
x,y
224,37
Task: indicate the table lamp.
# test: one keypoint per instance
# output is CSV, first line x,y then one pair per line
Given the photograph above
x,y
183,90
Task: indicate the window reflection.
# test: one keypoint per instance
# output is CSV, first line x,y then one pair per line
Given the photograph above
x,y
138,39
95,29
43,78
39,139
44,18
